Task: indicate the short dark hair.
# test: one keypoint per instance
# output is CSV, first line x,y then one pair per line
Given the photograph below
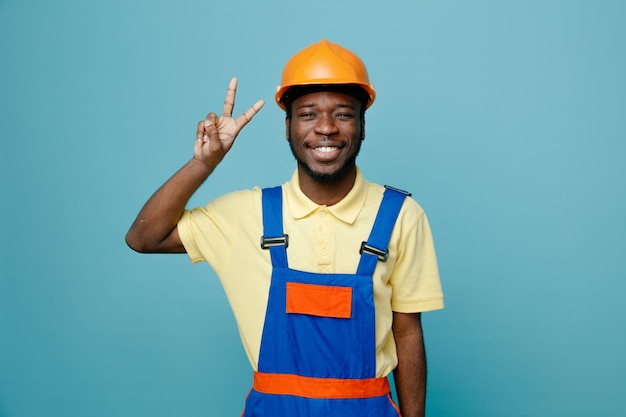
x,y
353,90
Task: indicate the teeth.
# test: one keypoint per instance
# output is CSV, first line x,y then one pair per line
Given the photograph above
x,y
326,148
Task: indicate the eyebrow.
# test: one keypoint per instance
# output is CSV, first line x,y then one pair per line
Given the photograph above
x,y
311,105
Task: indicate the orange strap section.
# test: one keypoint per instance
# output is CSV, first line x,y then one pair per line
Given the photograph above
x,y
302,386
319,300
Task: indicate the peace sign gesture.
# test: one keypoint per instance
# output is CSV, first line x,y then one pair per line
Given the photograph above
x,y
216,135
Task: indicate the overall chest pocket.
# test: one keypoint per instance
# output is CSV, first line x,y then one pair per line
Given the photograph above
x,y
319,300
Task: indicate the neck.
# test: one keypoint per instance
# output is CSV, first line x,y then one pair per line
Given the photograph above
x,y
327,194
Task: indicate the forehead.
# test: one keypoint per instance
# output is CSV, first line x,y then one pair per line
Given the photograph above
x,y
330,99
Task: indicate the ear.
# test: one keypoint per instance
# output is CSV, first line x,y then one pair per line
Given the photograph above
x,y
287,127
363,128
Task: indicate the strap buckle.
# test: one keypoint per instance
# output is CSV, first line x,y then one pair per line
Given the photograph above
x,y
382,255
267,242
406,193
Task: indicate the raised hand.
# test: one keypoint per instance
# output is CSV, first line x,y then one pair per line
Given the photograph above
x,y
216,135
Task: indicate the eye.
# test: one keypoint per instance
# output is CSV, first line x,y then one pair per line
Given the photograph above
x,y
345,115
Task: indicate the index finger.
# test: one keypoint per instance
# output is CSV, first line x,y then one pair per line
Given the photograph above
x,y
243,120
229,101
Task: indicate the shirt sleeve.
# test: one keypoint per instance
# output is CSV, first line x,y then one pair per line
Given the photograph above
x,y
209,233
416,286
191,234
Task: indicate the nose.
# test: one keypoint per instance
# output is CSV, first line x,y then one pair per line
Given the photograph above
x,y
326,125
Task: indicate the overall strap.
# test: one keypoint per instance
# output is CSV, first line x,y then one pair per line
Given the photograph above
x,y
375,249
273,237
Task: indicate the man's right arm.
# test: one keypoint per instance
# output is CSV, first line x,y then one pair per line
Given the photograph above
x,y
154,230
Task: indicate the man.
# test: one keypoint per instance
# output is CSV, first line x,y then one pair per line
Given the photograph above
x,y
327,275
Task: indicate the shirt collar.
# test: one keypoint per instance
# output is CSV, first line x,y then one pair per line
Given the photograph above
x,y
346,210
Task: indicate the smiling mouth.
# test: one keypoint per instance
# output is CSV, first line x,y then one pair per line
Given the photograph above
x,y
326,149
325,153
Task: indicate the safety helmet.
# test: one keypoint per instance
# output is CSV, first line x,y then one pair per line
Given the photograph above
x,y
324,63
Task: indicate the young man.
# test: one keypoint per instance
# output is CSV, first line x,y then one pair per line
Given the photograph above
x,y
327,275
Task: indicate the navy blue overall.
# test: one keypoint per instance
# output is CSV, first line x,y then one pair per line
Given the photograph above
x,y
318,349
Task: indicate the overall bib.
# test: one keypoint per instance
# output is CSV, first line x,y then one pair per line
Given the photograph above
x,y
318,348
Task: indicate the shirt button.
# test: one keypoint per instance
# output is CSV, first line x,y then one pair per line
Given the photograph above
x,y
324,232
322,213
324,252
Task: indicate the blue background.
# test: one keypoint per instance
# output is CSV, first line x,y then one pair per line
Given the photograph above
x,y
506,119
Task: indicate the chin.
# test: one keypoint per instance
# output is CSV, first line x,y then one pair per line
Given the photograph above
x,y
331,177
